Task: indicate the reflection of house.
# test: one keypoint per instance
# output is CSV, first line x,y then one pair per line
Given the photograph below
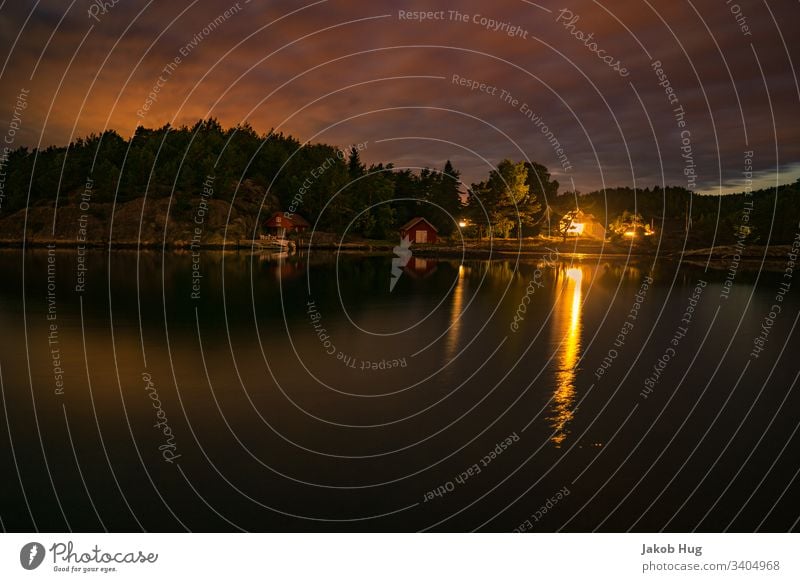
x,y
281,223
419,230
419,267
580,223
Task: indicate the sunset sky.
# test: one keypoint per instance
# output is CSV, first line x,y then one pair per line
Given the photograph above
x,y
347,72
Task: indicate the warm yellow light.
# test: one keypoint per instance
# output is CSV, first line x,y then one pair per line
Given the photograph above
x,y
575,274
577,227
630,233
452,341
568,320
462,223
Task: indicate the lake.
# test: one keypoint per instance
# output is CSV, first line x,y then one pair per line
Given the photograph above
x,y
228,391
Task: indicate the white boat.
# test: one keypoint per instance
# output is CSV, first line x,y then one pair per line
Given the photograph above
x,y
268,241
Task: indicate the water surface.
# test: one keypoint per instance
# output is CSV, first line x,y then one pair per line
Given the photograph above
x,y
301,393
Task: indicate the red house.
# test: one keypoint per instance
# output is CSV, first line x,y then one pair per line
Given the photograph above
x,y
419,230
281,224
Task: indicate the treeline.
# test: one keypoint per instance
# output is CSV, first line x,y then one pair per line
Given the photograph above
x,y
320,181
317,180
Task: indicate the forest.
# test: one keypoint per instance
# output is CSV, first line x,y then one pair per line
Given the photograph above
x,y
323,183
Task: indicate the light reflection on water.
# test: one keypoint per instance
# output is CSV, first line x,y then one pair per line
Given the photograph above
x,y
567,333
456,308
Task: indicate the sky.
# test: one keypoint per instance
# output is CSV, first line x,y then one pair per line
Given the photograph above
x,y
581,87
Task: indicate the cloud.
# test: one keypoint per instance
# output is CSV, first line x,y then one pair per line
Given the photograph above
x,y
360,75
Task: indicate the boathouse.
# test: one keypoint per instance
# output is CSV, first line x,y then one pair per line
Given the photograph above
x,y
281,224
419,230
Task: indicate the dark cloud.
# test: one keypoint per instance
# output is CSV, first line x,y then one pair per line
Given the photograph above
x,y
359,73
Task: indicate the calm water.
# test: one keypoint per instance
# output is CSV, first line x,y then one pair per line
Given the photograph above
x,y
302,394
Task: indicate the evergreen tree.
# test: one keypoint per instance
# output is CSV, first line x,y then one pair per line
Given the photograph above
x,y
541,191
446,196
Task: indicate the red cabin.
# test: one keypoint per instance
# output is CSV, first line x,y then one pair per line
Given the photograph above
x,y
282,223
419,230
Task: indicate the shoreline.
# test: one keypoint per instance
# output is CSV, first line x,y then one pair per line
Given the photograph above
x,y
718,257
